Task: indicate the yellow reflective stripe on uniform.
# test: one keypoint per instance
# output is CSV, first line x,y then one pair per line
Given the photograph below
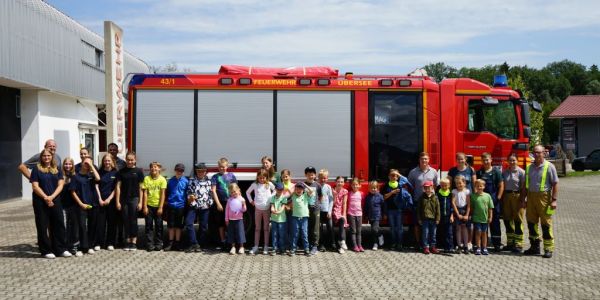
x,y
544,175
544,172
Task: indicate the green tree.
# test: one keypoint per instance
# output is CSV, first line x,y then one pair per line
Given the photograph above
x,y
562,88
536,119
551,126
484,74
593,87
573,72
440,70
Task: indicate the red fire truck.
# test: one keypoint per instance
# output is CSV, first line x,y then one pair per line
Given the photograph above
x,y
353,125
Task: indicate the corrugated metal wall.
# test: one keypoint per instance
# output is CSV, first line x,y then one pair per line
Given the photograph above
x,y
41,46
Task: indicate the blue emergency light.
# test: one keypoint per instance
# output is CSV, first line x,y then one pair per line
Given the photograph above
x,y
500,80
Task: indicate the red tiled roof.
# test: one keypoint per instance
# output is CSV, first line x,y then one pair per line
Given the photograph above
x,y
578,106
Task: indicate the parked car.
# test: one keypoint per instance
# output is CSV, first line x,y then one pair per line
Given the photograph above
x,y
590,162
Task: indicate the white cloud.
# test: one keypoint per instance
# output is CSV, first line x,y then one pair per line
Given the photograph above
x,y
202,34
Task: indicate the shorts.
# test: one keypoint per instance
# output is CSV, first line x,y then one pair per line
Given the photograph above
x,y
175,217
481,227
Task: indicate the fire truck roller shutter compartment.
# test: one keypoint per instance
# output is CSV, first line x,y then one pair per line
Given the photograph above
x,y
314,129
164,128
237,125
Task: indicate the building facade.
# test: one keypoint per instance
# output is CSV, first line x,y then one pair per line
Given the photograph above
x,y
51,87
579,123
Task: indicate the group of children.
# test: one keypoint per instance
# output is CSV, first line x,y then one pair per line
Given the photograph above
x,y
289,215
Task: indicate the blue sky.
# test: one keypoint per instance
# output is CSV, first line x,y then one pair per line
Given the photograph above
x,y
374,37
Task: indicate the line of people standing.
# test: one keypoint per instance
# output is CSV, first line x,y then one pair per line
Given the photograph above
x,y
97,200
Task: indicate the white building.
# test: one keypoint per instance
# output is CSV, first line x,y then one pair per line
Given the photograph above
x,y
51,86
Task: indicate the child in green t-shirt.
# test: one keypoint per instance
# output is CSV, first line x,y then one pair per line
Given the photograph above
x,y
153,187
299,206
278,219
482,208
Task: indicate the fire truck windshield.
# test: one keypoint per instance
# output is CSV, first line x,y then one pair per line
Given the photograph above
x,y
498,119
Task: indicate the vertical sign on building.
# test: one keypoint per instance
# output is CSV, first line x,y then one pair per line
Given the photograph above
x,y
114,70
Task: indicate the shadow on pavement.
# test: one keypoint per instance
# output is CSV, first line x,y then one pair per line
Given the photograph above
x,y
20,251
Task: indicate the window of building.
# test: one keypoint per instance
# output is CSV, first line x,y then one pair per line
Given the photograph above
x,y
99,58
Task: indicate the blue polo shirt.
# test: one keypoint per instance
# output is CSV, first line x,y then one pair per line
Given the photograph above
x,y
48,182
107,183
176,189
84,187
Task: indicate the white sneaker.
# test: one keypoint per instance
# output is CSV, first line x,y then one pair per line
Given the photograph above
x,y
97,248
341,250
232,251
375,247
90,251
78,254
380,240
253,251
110,248
66,254
343,245
265,251
50,256
241,251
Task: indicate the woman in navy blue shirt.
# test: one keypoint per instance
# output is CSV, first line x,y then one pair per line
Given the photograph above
x,y
107,215
83,191
47,183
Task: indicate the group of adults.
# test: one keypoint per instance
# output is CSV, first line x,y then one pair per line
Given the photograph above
x,y
521,196
517,194
53,206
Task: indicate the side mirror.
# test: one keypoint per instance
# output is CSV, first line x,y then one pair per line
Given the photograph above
x,y
489,101
536,106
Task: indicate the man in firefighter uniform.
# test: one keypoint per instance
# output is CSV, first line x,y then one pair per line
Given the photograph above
x,y
539,197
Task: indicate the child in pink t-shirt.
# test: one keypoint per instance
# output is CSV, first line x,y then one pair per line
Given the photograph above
x,y
340,201
355,215
234,218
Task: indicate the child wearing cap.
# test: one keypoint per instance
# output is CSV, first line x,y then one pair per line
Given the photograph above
x,y
199,202
428,213
263,189
299,206
176,196
153,194
314,205
482,207
278,219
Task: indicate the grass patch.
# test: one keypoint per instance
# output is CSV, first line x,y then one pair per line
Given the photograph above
x,y
582,173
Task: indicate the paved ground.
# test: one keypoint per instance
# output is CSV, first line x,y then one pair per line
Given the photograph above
x,y
573,273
